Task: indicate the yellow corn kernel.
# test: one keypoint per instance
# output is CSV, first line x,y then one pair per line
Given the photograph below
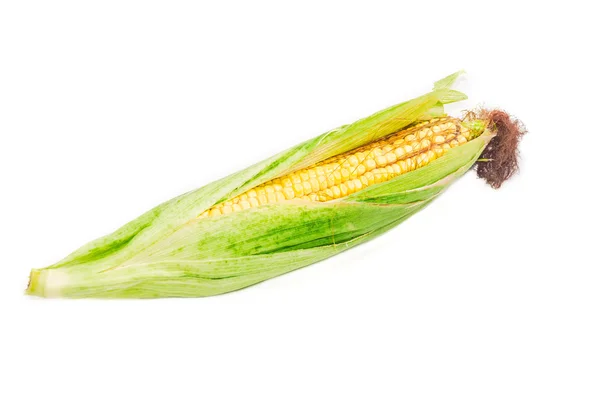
x,y
298,190
227,209
352,160
314,185
370,164
306,186
343,190
289,193
350,186
337,175
439,139
322,179
337,193
215,212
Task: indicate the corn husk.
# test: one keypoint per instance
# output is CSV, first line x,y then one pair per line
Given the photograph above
x,y
169,252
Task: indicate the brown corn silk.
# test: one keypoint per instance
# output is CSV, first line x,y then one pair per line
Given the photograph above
x,y
500,158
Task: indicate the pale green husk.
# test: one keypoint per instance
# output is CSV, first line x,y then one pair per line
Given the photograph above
x,y
169,252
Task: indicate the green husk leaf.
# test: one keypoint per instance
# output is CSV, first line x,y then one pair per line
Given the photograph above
x,y
447,82
168,251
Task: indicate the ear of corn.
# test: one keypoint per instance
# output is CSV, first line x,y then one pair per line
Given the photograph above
x,y
185,248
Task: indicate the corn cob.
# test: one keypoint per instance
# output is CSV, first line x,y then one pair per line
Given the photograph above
x,y
341,175
308,203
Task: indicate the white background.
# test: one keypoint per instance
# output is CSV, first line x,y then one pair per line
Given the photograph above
x,y
109,108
